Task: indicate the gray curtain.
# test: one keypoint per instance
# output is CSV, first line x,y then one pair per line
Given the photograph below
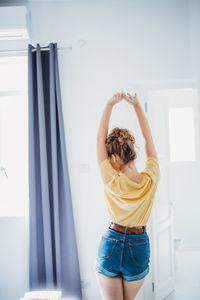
x,y
53,255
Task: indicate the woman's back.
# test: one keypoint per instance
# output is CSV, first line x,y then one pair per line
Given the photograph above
x,y
129,202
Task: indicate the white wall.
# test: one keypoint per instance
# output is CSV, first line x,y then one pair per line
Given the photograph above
x,y
184,178
125,40
194,27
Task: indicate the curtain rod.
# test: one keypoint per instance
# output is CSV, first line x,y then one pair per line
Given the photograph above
x,y
26,50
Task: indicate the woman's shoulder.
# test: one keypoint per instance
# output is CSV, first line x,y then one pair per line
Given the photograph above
x,y
152,168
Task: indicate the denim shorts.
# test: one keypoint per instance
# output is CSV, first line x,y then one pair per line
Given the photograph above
x,y
123,255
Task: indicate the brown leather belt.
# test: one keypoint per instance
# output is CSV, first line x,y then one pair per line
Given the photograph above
x,y
130,230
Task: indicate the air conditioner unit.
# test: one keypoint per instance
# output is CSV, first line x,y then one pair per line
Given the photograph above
x,y
14,22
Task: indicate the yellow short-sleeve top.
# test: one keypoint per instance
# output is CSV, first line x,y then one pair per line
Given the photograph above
x,y
130,203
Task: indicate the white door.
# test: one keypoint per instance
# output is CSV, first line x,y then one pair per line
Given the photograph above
x,y
158,107
162,250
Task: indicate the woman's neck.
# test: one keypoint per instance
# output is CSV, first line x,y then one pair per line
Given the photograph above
x,y
129,167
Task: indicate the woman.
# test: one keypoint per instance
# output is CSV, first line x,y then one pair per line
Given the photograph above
x,y
124,250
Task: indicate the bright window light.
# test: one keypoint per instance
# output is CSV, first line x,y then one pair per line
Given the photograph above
x,y
14,191
181,134
13,73
50,295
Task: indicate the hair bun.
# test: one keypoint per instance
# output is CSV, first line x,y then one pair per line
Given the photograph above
x,y
121,142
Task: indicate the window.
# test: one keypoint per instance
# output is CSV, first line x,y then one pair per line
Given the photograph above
x,y
181,133
14,193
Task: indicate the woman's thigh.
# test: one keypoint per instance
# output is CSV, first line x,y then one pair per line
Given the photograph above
x,y
131,288
110,288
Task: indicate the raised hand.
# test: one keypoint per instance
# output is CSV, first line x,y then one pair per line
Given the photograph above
x,y
118,97
132,99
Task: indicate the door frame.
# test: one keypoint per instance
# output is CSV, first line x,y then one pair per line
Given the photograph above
x,y
142,87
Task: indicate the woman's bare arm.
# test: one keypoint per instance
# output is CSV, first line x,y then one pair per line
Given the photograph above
x,y
103,127
144,126
146,131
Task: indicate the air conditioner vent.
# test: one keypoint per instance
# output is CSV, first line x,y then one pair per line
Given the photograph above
x,y
14,22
